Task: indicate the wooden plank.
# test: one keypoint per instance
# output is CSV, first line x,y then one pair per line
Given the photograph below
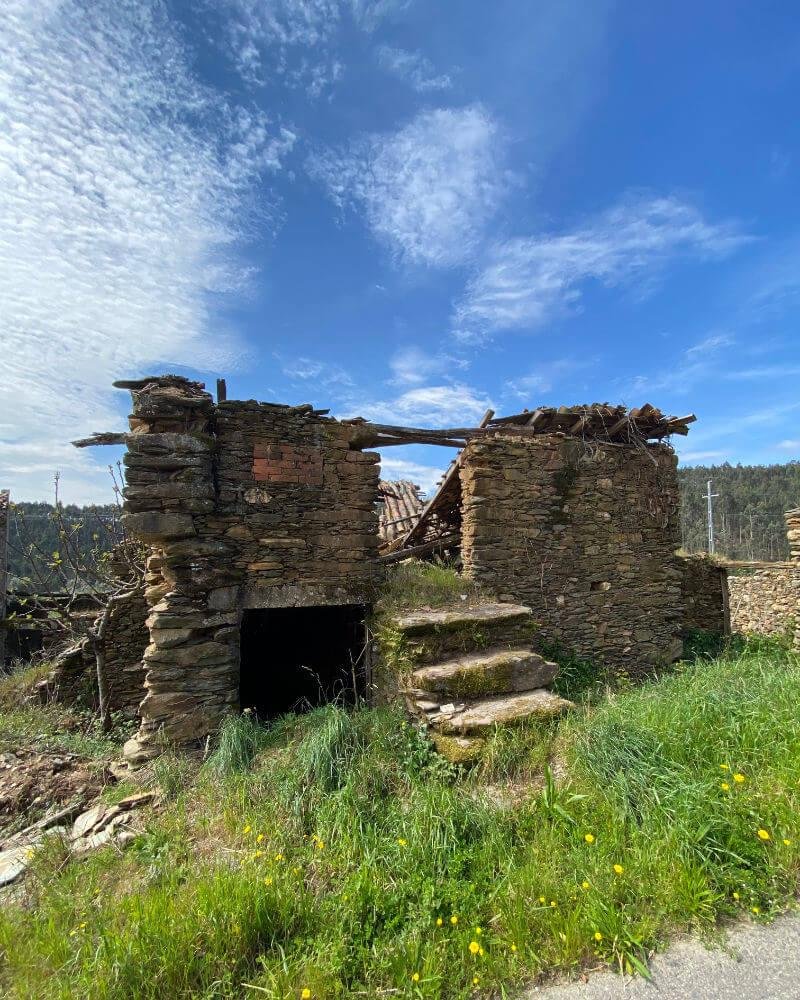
x,y
425,548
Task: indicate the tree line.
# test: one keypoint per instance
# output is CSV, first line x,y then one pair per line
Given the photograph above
x,y
748,513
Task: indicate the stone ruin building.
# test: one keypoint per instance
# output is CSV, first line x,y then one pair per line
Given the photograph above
x,y
269,528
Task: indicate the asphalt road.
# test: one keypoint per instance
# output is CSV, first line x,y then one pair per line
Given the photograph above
x,y
756,963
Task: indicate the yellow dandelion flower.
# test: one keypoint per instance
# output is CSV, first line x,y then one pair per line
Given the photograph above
x,y
786,842
739,778
279,857
267,880
474,947
589,838
439,921
479,930
320,845
618,869
553,902
259,838
542,899
415,977
763,835
296,871
481,952
454,920
258,854
725,767
513,947
736,895
475,980
584,885
305,993
402,841
756,910
598,936
725,786
247,829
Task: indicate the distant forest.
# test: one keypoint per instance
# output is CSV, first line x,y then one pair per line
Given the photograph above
x,y
34,526
748,513
748,518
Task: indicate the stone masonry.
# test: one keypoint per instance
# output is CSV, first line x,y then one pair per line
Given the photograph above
x,y
245,505
706,598
585,534
792,518
763,599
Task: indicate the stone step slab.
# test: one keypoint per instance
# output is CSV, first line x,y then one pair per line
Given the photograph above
x,y
480,718
432,636
488,672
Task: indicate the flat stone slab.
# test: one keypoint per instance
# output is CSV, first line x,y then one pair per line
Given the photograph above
x,y
488,672
478,718
421,622
14,862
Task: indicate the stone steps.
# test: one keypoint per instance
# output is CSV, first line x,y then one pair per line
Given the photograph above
x,y
482,716
490,671
474,671
433,636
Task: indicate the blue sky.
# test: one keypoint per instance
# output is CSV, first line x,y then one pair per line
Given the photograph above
x,y
401,209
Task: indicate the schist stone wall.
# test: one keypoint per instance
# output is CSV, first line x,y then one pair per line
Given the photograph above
x,y
763,599
74,670
792,518
706,600
246,505
585,534
4,505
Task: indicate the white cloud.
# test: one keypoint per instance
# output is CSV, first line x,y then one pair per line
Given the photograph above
x,y
291,40
425,476
429,189
525,281
314,370
695,364
767,371
701,456
789,444
543,377
412,366
455,405
414,68
122,190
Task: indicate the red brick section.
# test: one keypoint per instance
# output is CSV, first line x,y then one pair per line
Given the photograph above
x,y
287,463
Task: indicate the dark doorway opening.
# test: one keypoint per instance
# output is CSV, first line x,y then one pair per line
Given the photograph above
x,y
293,659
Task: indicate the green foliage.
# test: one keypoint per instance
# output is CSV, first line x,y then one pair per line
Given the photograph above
x,y
414,584
748,512
338,859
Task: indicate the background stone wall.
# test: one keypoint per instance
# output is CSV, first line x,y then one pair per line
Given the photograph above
x,y
74,672
792,518
706,602
583,533
4,504
244,505
764,599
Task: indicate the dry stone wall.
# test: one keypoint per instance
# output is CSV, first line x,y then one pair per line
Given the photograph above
x,y
126,640
244,505
792,518
706,602
763,599
4,505
583,533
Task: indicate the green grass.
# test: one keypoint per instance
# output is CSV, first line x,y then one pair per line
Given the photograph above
x,y
322,854
415,584
56,727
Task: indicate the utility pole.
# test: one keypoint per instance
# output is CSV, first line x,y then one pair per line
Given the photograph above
x,y
709,498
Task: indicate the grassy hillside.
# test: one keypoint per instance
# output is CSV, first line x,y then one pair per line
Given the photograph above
x,y
334,855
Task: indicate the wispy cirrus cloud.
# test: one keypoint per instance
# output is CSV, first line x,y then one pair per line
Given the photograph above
x,y
315,371
413,67
455,404
543,377
524,281
427,190
291,40
124,187
693,365
412,366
